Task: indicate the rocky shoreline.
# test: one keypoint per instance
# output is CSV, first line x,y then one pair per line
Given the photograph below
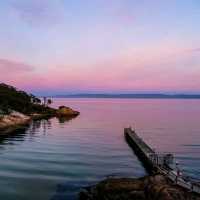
x,y
16,120
13,121
18,108
155,187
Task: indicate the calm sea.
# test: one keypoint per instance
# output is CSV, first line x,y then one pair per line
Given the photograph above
x,y
52,159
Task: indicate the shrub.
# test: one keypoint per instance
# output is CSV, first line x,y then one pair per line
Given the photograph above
x,y
13,99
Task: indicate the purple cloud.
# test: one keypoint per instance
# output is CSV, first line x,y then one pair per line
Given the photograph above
x,y
9,66
196,50
37,12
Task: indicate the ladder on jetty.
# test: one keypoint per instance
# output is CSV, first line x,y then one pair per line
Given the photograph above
x,y
158,163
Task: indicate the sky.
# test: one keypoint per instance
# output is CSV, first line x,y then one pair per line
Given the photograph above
x,y
100,46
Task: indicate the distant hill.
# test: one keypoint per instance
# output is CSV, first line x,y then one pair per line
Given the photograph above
x,y
133,96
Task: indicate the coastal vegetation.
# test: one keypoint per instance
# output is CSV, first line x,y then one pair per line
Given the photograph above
x,y
20,101
18,108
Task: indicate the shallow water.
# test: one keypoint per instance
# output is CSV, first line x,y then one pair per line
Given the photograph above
x,y
53,159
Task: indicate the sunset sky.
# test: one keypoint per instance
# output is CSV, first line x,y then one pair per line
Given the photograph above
x,y
111,46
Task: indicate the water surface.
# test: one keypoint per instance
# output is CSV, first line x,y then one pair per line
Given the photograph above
x,y
53,159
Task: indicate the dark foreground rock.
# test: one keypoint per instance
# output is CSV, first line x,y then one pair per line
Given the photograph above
x,y
155,187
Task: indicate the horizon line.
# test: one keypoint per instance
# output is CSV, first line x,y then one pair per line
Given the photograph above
x,y
129,95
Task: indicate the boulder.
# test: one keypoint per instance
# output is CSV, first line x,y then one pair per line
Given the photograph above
x,y
13,119
64,111
155,187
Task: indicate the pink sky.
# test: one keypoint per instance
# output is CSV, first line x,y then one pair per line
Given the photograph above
x,y
121,46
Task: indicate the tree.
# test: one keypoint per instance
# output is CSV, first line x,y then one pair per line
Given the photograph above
x,y
49,101
44,101
35,100
13,99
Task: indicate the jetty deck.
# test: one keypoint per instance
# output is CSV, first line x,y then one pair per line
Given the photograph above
x,y
158,163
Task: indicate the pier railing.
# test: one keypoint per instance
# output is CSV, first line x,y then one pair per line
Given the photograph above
x,y
179,180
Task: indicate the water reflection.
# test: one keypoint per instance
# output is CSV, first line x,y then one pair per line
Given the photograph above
x,y
17,136
9,138
54,158
33,128
63,120
67,191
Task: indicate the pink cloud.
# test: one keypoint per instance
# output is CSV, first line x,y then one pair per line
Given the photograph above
x,y
14,72
10,66
167,68
196,50
156,68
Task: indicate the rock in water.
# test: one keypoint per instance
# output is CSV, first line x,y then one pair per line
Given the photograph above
x,y
155,187
64,111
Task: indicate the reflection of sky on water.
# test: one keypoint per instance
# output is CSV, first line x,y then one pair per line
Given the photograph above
x,y
52,159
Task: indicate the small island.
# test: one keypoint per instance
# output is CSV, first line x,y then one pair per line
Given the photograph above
x,y
18,108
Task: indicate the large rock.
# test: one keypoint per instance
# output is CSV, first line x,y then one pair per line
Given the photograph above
x,y
13,119
148,188
64,111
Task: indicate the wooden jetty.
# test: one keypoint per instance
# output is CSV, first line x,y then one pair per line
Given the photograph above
x,y
158,163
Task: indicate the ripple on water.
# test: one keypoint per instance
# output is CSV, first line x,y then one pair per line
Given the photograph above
x,y
52,160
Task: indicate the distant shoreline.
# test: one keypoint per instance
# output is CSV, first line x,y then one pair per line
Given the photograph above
x,y
131,96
